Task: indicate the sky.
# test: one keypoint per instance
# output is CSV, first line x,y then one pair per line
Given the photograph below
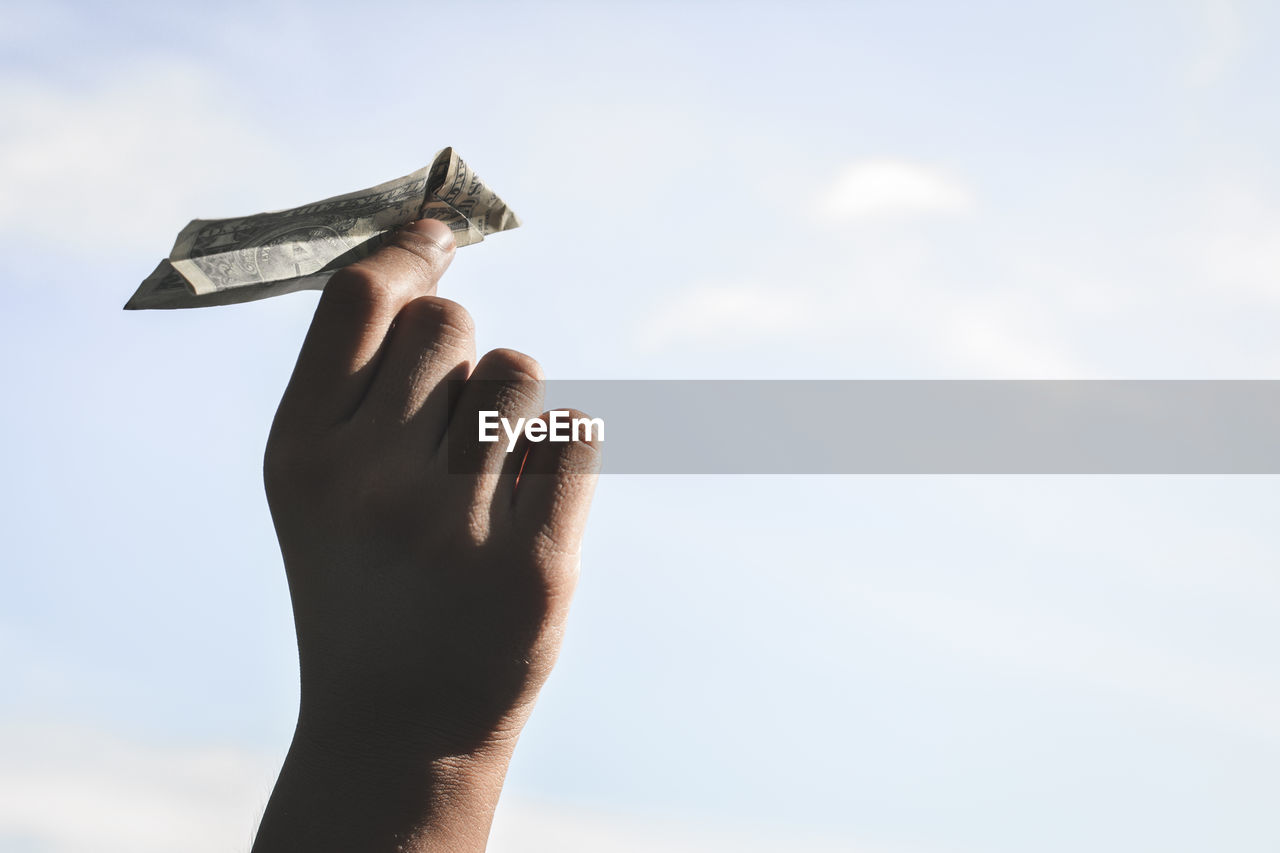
x,y
862,190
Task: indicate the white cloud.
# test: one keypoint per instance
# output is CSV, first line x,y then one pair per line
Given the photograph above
x,y
1221,30
67,790
893,189
883,298
1017,635
1000,339
121,164
722,315
526,827
1240,246
71,790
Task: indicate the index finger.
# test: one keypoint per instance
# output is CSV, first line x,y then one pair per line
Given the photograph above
x,y
355,312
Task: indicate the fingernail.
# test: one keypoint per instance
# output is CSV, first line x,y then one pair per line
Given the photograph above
x,y
434,230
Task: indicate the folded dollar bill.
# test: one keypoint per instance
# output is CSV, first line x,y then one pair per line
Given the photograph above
x,y
221,261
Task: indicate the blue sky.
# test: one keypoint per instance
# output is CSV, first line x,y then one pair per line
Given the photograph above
x,y
856,190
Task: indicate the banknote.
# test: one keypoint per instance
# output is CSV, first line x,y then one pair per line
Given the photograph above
x,y
221,261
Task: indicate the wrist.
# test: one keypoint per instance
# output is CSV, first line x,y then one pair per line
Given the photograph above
x,y
377,788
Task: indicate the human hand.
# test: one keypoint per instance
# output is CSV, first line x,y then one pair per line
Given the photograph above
x,y
429,603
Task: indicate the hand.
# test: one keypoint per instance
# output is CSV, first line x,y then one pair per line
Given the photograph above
x,y
429,603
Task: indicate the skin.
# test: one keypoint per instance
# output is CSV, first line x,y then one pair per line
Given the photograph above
x,y
429,603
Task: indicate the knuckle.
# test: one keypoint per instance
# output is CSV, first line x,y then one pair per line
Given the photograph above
x,y
550,551
442,317
514,363
358,285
